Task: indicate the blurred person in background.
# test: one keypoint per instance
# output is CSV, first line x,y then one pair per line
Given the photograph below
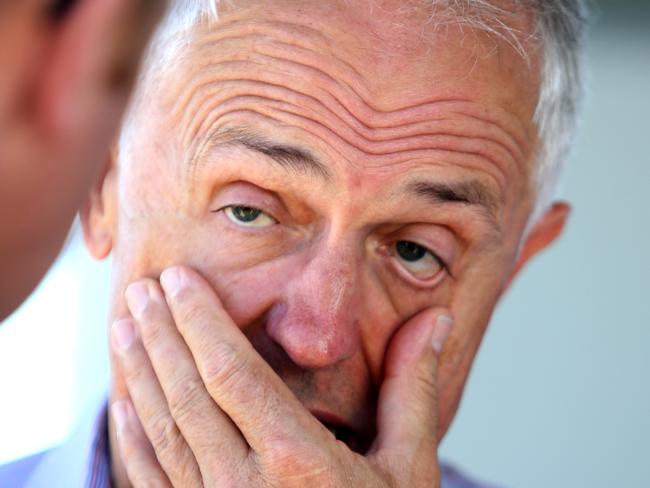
x,y
66,72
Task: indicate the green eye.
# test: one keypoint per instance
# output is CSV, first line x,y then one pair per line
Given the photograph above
x,y
417,259
249,216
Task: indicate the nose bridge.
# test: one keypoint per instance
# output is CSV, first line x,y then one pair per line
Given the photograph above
x,y
320,325
332,277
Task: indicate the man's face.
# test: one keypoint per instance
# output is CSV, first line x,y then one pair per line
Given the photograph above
x,y
332,170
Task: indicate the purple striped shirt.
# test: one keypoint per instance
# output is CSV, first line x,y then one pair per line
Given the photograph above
x,y
84,462
99,470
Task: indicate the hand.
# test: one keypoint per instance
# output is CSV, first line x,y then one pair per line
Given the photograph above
x,y
66,78
207,410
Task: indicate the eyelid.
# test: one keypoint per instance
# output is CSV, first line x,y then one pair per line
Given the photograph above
x,y
251,224
439,242
232,205
441,262
247,195
412,280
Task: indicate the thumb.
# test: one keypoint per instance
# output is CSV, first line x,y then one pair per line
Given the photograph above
x,y
407,415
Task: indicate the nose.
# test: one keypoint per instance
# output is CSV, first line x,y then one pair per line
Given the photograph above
x,y
317,325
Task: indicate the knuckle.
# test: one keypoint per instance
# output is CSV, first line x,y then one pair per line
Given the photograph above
x,y
166,438
184,396
425,383
136,373
235,476
190,311
295,464
185,472
225,367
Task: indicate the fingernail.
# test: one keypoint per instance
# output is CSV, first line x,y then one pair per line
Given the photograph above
x,y
118,409
123,334
170,280
137,298
441,330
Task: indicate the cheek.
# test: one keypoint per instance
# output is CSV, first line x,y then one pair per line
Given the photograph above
x,y
472,304
249,293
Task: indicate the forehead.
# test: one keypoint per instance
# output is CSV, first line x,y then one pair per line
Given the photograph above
x,y
392,53
375,87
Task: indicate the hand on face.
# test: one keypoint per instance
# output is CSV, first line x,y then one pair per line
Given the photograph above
x,y
66,77
207,410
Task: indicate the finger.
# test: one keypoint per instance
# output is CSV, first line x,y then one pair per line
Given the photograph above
x,y
205,427
407,410
136,451
150,404
237,378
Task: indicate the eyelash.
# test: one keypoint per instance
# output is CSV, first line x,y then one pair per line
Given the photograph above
x,y
437,278
430,283
244,205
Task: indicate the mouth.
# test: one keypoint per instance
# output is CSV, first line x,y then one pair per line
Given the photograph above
x,y
355,439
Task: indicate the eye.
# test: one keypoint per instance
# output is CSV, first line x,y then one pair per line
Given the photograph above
x,y
418,260
249,216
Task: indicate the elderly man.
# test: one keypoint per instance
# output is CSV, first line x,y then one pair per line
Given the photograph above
x,y
303,196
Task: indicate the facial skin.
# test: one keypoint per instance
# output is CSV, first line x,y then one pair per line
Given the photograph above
x,y
353,132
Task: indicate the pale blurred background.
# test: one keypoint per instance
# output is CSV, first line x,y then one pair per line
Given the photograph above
x,y
560,393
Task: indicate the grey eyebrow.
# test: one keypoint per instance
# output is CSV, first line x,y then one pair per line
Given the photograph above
x,y
294,159
471,193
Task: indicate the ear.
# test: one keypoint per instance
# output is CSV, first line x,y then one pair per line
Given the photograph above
x,y
98,212
544,233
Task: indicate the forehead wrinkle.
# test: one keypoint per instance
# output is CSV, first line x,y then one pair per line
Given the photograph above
x,y
363,155
264,37
369,117
286,51
489,130
369,157
363,114
440,133
372,132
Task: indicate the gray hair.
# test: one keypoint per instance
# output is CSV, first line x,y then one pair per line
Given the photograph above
x,y
559,29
